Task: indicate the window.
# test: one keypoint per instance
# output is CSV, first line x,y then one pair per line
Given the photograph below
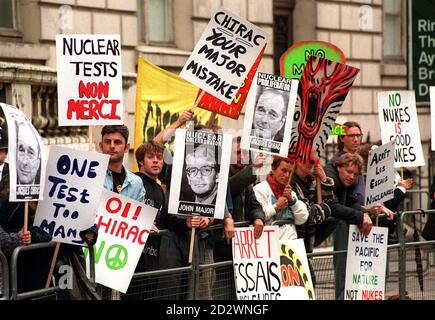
x,y
6,14
155,24
393,28
282,29
8,19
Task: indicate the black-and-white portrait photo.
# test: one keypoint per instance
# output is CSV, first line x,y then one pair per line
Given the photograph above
x,y
28,155
199,178
270,114
201,173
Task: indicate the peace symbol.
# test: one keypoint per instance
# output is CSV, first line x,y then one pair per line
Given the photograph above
x,y
118,259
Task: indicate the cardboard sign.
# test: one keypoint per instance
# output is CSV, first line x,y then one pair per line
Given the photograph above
x,y
234,109
399,123
200,173
256,264
224,54
89,77
269,113
380,175
366,264
26,157
295,271
123,228
72,193
322,90
292,62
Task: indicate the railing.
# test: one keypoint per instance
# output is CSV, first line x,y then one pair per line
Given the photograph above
x,y
404,279
4,281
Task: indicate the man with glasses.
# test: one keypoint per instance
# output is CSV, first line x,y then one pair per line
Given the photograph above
x,y
202,173
350,143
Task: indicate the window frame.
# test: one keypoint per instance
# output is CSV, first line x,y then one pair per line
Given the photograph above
x,y
400,57
144,31
13,32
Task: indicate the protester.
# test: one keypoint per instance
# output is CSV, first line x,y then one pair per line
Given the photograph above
x,y
270,114
318,226
245,208
345,172
114,142
278,200
4,166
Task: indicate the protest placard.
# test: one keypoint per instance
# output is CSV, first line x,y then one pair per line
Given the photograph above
x,y
200,173
123,229
366,264
72,193
224,54
233,110
399,123
269,113
26,157
257,264
322,90
89,80
380,175
292,62
295,271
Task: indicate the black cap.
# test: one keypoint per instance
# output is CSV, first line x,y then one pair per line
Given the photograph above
x,y
3,139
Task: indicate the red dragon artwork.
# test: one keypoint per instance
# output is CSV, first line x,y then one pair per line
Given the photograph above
x,y
322,89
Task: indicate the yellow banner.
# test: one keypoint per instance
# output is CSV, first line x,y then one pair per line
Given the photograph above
x,y
161,97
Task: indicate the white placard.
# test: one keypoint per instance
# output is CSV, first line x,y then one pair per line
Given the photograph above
x,y
366,264
89,80
72,193
224,54
380,175
123,228
256,264
295,271
269,112
26,157
200,173
399,123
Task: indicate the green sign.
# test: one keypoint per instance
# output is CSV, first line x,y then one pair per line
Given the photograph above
x,y
422,48
293,61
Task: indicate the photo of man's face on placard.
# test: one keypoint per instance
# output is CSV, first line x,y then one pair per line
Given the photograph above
x,y
28,155
270,114
201,171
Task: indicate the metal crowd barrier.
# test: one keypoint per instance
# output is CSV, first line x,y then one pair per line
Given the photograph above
x,y
4,281
404,277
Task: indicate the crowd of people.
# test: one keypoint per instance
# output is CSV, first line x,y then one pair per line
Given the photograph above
x,y
314,201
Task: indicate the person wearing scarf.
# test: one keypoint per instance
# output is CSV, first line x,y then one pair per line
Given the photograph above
x,y
278,200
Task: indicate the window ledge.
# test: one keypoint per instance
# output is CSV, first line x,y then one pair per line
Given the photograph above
x,y
162,50
394,68
10,33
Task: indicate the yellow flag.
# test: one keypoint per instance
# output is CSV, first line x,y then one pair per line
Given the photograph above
x,y
161,97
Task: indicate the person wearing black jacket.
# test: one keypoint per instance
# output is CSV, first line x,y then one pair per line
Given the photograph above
x,y
149,157
345,173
